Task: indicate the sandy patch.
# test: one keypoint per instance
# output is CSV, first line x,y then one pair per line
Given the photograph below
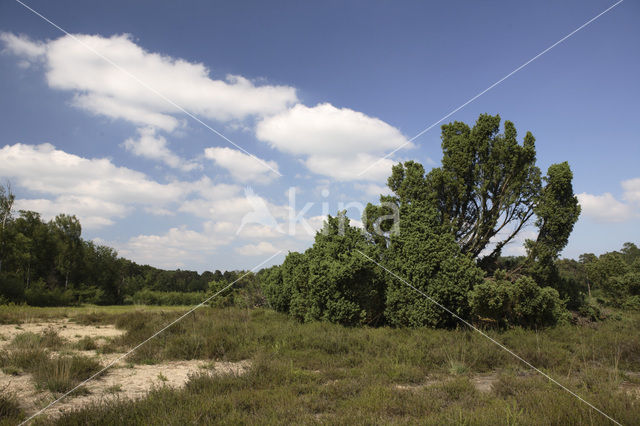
x,y
482,383
121,382
65,328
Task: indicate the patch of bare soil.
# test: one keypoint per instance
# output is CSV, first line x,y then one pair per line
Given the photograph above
x,y
129,382
65,328
483,383
122,380
136,382
631,387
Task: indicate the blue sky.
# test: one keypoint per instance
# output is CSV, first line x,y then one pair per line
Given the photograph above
x,y
317,91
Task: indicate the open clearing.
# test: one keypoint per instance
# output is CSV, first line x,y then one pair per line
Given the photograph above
x,y
122,380
257,366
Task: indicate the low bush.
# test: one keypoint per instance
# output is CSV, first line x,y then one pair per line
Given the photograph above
x,y
10,411
39,295
61,374
522,302
169,298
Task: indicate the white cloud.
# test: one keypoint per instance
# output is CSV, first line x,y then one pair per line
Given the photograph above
x,y
152,146
338,142
604,208
243,167
349,167
373,189
92,212
260,249
170,249
104,89
23,46
44,169
631,190
95,189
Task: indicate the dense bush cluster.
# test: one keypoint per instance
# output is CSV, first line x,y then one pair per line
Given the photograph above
x,y
331,281
440,236
521,302
615,276
166,298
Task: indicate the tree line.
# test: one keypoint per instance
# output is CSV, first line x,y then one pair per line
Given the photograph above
x,y
48,263
446,242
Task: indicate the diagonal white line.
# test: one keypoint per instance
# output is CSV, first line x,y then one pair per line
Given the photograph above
x,y
148,87
145,341
500,345
431,126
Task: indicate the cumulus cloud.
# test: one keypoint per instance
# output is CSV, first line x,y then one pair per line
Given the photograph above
x,y
169,249
260,249
373,189
44,169
243,167
631,190
23,46
102,88
153,146
604,208
92,212
337,142
94,189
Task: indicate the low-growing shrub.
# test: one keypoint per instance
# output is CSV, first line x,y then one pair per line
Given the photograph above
x,y
522,302
61,374
39,295
173,298
9,407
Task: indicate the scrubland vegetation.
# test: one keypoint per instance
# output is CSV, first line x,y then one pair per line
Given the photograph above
x,y
348,331
321,372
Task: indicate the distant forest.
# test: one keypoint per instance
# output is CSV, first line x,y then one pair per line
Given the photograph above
x,y
50,264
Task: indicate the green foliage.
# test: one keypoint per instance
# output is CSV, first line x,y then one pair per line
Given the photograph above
x,y
39,295
487,183
49,264
278,297
167,298
616,276
431,261
331,281
521,302
620,287
557,210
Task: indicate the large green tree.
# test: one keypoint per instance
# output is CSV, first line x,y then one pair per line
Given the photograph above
x,y
486,191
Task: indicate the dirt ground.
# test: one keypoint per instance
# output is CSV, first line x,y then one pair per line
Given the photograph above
x,y
120,381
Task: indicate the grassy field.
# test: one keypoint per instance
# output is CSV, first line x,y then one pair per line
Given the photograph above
x,y
323,373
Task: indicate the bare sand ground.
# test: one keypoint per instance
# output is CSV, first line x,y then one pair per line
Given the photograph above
x,y
122,380
65,328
